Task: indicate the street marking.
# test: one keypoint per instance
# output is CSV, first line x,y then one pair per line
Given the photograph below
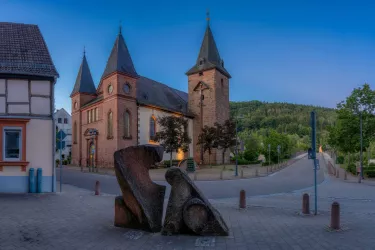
x,y
205,242
134,235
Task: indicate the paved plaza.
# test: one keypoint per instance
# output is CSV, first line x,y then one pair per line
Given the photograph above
x,y
77,219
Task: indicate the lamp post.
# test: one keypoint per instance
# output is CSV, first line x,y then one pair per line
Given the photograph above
x,y
236,169
269,156
361,152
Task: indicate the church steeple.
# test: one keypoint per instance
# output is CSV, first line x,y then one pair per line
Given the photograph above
x,y
120,59
84,82
209,56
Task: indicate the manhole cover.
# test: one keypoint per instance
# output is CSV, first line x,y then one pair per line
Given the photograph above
x,y
134,235
205,242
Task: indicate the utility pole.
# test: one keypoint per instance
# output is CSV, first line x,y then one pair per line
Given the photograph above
x,y
61,160
236,171
361,152
269,156
313,147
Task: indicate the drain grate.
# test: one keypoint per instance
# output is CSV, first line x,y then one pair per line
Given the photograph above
x,y
205,242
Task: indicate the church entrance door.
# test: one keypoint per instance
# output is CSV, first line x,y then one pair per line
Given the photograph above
x,y
92,155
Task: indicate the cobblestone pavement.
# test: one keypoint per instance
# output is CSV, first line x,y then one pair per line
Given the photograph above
x,y
76,219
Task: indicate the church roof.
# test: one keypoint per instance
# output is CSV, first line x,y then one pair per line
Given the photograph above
x,y
23,51
209,57
84,82
120,59
150,92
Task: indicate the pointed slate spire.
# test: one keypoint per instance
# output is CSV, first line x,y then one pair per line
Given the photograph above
x,y
120,59
209,56
84,82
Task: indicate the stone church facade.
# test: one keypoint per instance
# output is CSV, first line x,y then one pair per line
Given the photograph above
x,y
123,110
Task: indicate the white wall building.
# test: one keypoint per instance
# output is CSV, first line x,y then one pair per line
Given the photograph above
x,y
63,121
27,130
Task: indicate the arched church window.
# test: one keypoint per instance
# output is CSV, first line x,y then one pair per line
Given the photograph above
x,y
152,128
75,132
110,125
127,124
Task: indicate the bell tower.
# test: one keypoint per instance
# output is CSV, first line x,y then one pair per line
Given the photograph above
x,y
208,88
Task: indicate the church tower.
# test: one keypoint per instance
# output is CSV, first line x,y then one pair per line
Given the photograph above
x,y
208,82
83,92
118,90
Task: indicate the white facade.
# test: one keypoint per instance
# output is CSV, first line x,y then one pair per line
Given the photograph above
x,y
63,121
144,114
26,135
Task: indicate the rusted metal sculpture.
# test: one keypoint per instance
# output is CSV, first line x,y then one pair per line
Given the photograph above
x,y
141,203
188,211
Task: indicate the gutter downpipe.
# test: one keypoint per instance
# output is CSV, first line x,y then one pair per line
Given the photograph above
x,y
53,137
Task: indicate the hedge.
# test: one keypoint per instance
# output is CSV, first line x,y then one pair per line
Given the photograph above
x,y
351,168
167,163
340,160
369,173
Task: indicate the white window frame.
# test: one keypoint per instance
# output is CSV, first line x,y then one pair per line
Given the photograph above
x,y
20,143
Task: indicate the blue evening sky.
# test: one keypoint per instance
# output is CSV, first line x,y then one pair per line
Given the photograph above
x,y
307,52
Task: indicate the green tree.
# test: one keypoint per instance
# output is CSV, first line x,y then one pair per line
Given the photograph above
x,y
173,134
207,139
274,139
252,147
345,134
226,136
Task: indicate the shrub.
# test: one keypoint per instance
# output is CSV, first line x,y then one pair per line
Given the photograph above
x,y
167,163
340,160
57,162
250,155
372,164
369,173
241,161
352,168
65,162
266,163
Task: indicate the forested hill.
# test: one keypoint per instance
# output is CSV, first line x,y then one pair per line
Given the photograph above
x,y
283,117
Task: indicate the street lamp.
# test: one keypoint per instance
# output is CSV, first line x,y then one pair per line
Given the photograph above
x,y
236,170
360,109
269,156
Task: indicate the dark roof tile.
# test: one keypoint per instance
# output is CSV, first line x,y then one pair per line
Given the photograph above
x,y
84,82
209,57
23,51
120,59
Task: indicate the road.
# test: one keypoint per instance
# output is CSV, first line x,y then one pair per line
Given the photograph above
x,y
295,177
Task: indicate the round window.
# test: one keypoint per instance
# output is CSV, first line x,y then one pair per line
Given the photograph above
x,y
110,88
127,88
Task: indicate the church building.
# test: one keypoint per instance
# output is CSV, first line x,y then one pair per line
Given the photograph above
x,y
123,110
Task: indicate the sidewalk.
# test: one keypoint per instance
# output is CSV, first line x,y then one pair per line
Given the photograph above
x,y
76,219
210,174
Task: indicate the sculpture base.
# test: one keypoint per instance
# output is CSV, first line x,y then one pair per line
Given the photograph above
x,y
124,218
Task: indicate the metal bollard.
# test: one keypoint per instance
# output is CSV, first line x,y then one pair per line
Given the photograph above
x,y
338,173
335,216
305,204
31,180
97,188
345,176
242,173
221,174
242,199
39,180
256,173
